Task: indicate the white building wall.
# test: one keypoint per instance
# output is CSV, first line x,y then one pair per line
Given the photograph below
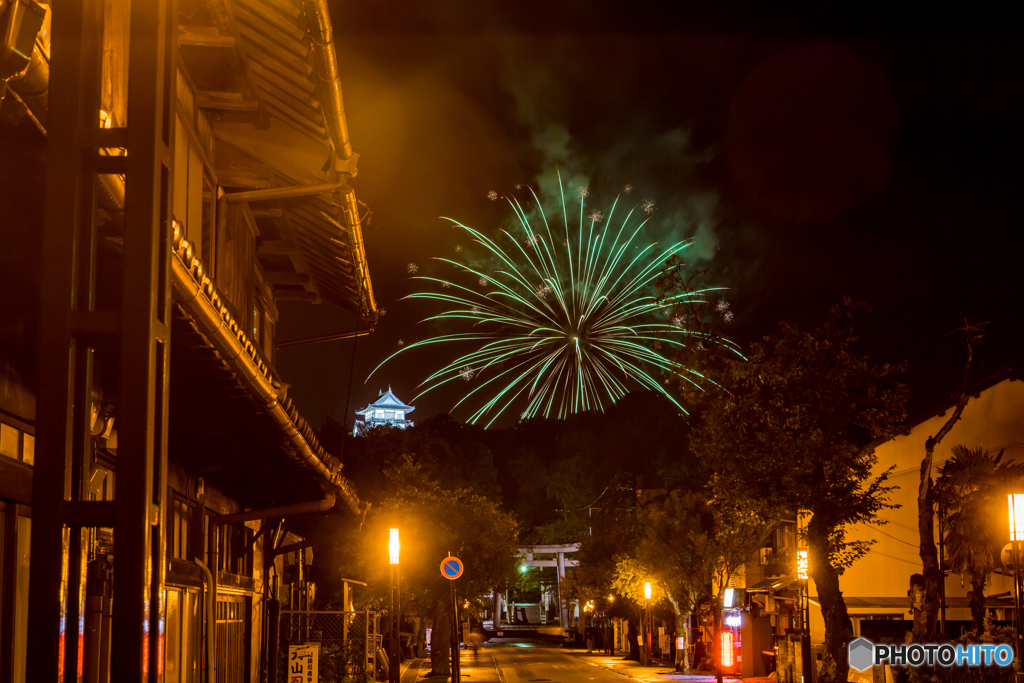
x,y
994,421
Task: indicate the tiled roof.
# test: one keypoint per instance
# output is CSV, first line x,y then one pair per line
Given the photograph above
x,y
387,400
196,294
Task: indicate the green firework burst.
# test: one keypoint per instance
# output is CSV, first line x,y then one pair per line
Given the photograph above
x,y
567,320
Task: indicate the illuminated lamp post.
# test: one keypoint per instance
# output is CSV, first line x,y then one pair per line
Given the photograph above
x,y
801,574
1015,503
647,624
610,640
802,565
394,664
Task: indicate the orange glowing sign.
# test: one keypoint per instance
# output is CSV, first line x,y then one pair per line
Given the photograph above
x,y
727,649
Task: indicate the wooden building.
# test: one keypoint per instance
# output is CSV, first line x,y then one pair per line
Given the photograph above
x,y
170,171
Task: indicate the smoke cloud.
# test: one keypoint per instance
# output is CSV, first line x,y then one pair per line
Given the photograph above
x,y
632,166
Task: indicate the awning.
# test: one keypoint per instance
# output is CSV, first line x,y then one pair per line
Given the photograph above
x,y
243,358
773,583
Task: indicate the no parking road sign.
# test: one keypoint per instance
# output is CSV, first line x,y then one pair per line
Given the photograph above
x,y
451,568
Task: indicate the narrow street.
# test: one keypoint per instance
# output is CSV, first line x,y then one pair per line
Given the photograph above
x,y
504,660
525,662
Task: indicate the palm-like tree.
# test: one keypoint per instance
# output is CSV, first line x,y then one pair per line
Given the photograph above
x,y
971,491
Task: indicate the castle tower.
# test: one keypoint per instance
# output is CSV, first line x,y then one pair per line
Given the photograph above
x,y
386,410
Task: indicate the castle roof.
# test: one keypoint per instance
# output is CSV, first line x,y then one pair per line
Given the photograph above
x,y
387,400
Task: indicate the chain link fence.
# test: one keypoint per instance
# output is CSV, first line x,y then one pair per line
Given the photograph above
x,y
348,641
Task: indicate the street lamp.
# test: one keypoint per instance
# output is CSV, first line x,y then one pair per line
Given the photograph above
x,y
1015,502
802,566
647,624
394,665
804,606
394,546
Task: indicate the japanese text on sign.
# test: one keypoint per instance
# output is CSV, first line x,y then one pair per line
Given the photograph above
x,y
303,663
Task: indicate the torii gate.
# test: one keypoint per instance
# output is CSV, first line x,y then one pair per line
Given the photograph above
x,y
559,551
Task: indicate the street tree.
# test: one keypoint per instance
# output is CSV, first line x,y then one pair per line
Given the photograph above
x,y
688,546
421,481
971,492
736,530
435,521
628,579
791,429
690,550
926,588
587,583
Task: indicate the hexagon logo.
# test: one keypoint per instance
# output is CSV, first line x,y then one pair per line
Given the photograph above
x,y
862,654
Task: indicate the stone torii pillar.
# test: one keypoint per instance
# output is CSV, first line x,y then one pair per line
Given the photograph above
x,y
559,563
563,611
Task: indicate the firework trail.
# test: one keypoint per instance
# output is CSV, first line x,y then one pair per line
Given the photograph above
x,y
568,322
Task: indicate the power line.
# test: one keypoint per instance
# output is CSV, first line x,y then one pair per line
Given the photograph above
x,y
913,545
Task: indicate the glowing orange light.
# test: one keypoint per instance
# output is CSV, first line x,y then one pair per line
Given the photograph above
x,y
801,564
1016,501
727,653
394,545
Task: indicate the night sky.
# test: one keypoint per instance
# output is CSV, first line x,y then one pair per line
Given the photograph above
x,y
810,154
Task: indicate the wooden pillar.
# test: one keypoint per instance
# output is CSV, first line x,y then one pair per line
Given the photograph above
x,y
72,329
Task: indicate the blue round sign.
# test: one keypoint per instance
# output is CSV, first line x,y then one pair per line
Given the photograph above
x,y
451,568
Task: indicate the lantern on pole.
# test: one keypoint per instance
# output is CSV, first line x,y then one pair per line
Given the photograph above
x,y
648,624
395,656
394,546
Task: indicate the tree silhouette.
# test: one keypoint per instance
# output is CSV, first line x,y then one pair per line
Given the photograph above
x,y
971,494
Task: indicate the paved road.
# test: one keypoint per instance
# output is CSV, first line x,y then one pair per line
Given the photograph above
x,y
536,663
523,661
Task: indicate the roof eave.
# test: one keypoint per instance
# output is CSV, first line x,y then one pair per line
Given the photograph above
x,y
242,356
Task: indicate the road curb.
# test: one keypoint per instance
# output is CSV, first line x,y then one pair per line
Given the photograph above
x,y
497,667
414,665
